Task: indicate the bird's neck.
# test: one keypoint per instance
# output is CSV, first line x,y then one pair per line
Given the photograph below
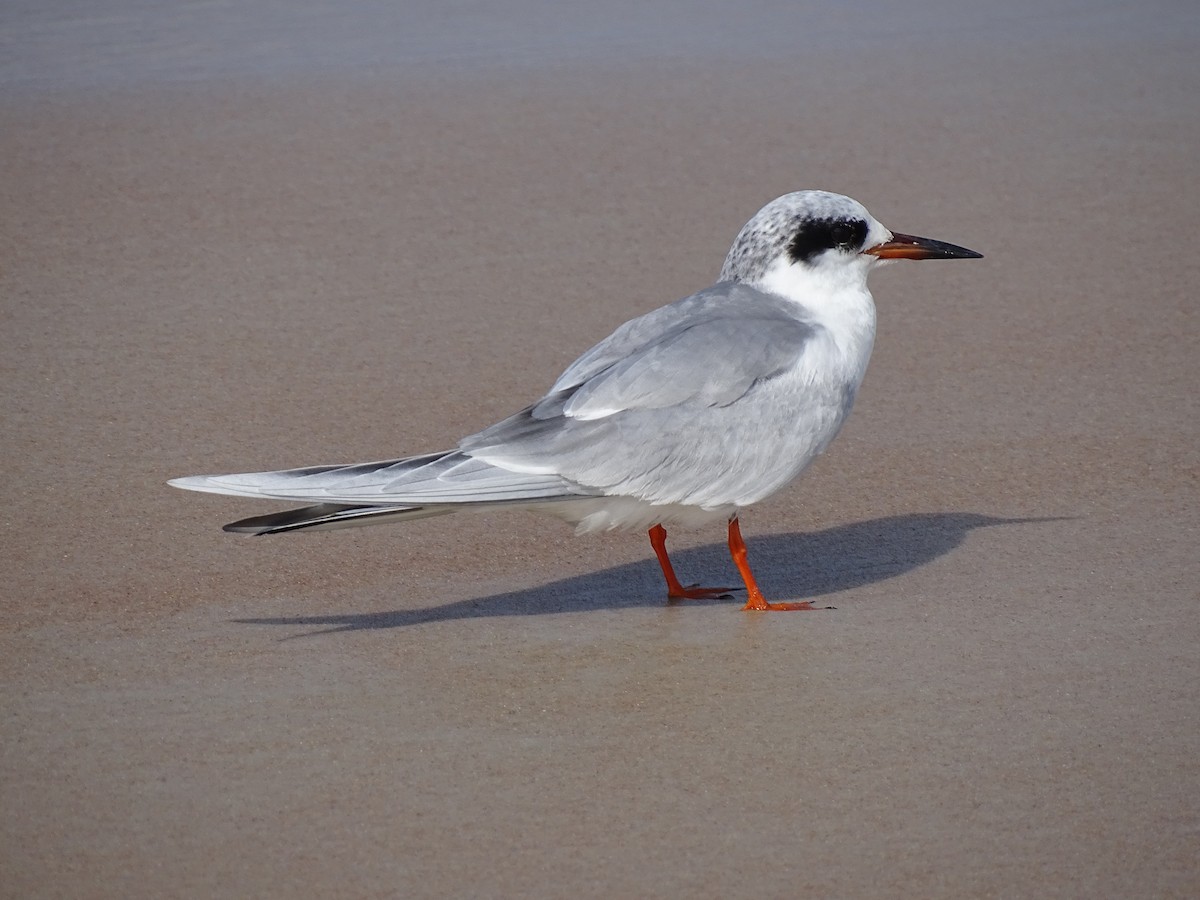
x,y
834,297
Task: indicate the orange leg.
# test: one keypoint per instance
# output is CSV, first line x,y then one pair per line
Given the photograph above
x,y
754,597
675,590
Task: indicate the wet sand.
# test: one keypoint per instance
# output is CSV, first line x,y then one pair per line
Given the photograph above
x,y
255,268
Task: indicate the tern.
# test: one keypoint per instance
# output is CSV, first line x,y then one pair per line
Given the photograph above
x,y
682,416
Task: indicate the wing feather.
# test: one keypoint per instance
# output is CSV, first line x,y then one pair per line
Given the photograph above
x,y
647,413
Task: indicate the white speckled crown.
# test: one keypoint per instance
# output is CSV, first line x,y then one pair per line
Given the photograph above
x,y
766,236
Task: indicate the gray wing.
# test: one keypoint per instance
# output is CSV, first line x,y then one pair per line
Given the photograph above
x,y
645,413
659,410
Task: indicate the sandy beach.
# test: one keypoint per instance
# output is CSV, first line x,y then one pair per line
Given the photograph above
x,y
233,243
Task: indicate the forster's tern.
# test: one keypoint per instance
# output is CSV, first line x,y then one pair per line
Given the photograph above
x,y
681,416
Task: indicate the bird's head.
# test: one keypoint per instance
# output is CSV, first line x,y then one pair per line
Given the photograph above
x,y
815,237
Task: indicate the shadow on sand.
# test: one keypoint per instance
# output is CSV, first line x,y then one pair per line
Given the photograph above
x,y
789,566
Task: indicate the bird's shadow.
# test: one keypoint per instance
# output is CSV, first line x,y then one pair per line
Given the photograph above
x,y
811,565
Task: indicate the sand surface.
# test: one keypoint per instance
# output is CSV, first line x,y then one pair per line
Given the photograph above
x,y
232,242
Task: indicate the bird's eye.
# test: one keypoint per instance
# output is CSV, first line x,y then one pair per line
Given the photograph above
x,y
842,234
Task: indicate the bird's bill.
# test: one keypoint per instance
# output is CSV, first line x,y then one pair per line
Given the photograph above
x,y
907,246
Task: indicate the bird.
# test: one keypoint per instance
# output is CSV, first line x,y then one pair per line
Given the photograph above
x,y
683,416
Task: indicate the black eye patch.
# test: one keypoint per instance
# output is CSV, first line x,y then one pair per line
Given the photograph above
x,y
815,236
